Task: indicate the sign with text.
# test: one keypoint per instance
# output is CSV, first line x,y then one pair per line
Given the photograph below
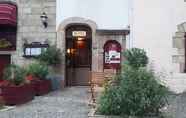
x,y
79,33
112,57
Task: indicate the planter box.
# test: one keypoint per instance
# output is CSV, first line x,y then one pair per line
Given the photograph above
x,y
41,87
14,95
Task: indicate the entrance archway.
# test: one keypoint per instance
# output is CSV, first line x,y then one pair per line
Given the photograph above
x,y
78,54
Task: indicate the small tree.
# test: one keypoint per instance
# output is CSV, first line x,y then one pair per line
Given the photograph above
x,y
136,57
50,56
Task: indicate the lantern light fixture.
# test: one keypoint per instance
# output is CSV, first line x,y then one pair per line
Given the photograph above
x,y
44,19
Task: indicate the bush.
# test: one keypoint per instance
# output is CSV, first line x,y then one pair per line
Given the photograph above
x,y
52,56
109,103
136,57
38,70
14,74
136,92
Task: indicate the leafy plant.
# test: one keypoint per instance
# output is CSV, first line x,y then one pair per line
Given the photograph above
x,y
38,70
14,74
136,57
51,56
109,102
137,92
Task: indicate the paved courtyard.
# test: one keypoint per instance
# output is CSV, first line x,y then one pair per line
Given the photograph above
x,y
177,106
68,103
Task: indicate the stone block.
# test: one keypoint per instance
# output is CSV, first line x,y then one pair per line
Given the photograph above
x,y
178,42
182,67
178,59
50,10
180,34
50,4
26,10
181,51
181,28
36,10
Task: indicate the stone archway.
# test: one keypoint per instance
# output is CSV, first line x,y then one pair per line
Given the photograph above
x,y
61,39
179,42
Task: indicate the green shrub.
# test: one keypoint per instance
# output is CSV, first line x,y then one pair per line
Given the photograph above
x,y
109,102
52,56
14,74
136,57
136,91
138,94
38,70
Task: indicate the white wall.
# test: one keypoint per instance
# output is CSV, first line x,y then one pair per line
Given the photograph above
x,y
153,24
108,14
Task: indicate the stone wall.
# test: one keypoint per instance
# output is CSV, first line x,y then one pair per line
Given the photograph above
x,y
178,56
30,27
102,40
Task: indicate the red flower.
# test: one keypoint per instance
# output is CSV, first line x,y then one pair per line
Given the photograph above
x,y
4,83
30,78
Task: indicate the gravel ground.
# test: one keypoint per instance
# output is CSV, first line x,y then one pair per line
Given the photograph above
x,y
73,103
68,103
177,106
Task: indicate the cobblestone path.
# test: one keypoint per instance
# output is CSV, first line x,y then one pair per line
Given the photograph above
x,y
68,103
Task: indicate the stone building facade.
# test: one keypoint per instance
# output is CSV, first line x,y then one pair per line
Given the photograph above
x,y
30,29
99,39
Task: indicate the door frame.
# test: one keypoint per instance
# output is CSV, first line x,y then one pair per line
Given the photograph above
x,y
88,37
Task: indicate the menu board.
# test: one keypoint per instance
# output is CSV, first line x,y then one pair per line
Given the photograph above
x,y
35,51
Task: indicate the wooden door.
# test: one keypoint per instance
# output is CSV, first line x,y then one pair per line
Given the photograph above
x,y
78,62
82,61
4,62
78,56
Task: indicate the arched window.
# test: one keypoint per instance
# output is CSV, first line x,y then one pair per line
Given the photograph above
x,y
112,55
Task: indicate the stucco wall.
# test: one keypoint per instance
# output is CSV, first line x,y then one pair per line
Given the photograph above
x,y
154,24
108,14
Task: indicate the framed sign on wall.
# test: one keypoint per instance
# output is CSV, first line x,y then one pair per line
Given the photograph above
x,y
34,49
112,55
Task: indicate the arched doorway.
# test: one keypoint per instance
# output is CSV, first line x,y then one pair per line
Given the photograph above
x,y
78,54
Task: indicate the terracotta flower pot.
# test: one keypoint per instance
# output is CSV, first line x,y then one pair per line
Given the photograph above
x,y
41,87
14,95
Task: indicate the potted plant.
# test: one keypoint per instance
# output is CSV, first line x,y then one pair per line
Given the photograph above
x,y
14,89
36,73
52,56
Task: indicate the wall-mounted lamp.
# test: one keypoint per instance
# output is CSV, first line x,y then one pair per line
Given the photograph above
x,y
44,19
